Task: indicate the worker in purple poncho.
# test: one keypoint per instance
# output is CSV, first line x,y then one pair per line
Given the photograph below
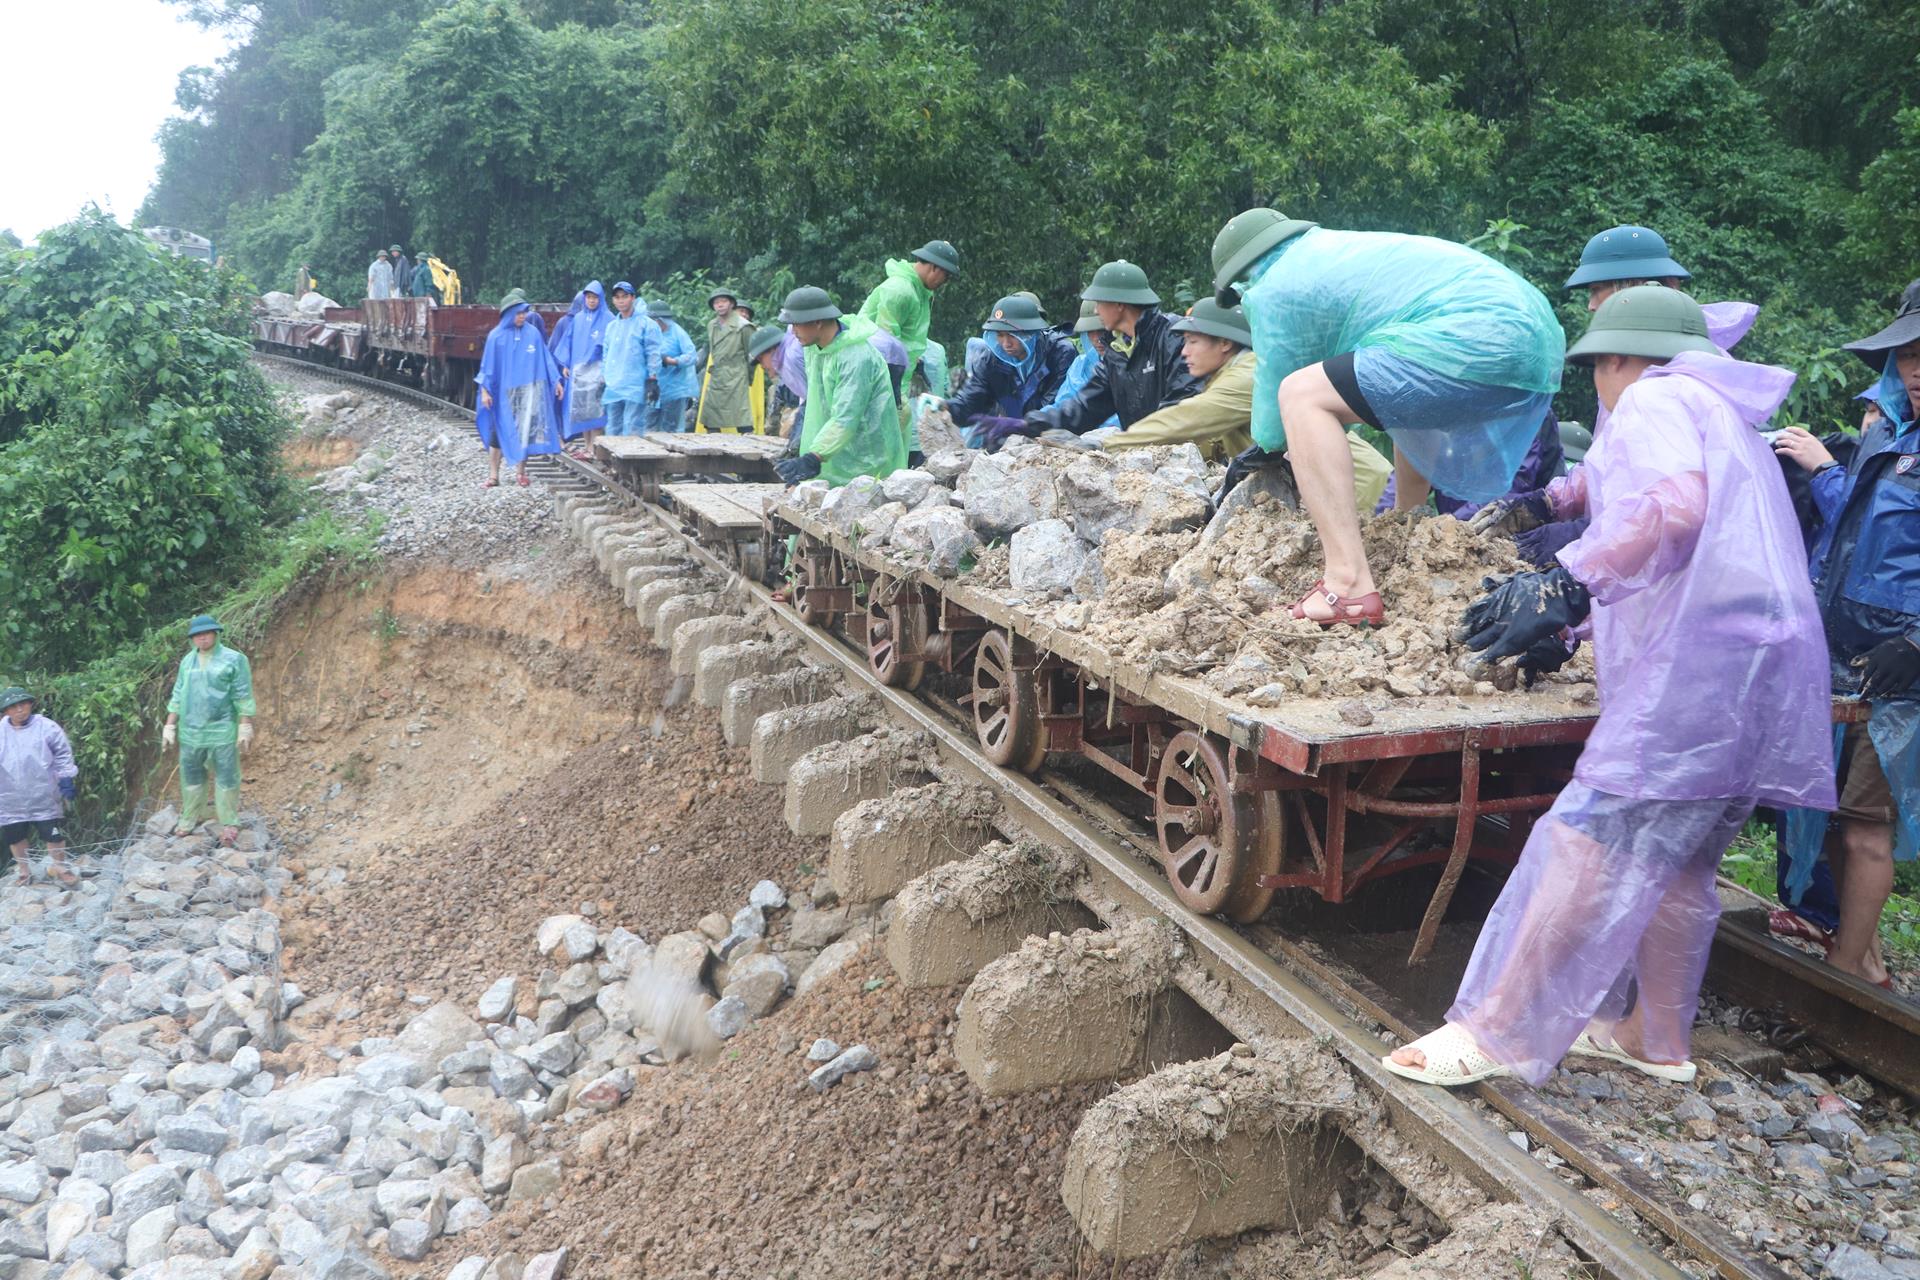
x,y
1713,699
520,391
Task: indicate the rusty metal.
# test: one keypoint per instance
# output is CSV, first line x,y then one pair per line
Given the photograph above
x,y
1468,814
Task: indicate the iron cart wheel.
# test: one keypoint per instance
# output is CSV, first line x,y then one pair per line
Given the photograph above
x,y
1006,707
896,627
805,602
1214,843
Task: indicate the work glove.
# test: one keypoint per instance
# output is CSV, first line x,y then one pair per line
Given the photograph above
x,y
167,736
246,734
1244,464
914,459
1518,612
1515,514
653,391
67,789
1546,656
1539,546
993,432
1890,668
794,470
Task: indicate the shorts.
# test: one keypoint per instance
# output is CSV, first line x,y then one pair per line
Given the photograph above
x,y
1340,373
1467,438
1864,793
50,829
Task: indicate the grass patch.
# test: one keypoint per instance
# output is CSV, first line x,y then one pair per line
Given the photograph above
x,y
1751,862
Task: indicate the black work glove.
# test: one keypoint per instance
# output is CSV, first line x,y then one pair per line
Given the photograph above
x,y
1515,514
653,391
794,470
1890,668
1244,464
914,459
992,432
1539,546
1520,611
1544,657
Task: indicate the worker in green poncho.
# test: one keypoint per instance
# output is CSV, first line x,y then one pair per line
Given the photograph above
x,y
210,718
852,424
902,305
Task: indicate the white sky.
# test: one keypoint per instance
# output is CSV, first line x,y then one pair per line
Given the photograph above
x,y
90,81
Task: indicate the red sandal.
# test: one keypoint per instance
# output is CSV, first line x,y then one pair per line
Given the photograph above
x,y
1368,610
1782,923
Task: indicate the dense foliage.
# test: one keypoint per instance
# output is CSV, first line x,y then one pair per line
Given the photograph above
x,y
536,143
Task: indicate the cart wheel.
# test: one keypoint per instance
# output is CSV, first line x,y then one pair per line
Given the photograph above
x,y
805,603
1209,836
894,630
1006,707
1249,901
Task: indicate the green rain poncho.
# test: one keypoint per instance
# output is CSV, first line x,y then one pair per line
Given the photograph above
x,y
852,425
903,307
210,696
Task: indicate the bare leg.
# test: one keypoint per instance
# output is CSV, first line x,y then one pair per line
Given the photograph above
x,y
493,465
20,861
1315,418
57,856
1864,878
1410,488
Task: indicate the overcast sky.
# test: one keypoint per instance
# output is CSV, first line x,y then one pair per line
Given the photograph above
x,y
90,82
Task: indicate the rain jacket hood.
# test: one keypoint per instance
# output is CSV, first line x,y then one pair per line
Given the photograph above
x,y
1707,641
519,373
579,339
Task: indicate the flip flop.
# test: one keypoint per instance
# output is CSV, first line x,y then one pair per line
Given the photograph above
x,y
522,480
64,875
1674,1072
1453,1059
490,483
1782,923
1368,610
181,833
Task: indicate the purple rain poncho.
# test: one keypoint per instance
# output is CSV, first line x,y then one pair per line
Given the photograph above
x,y
1713,696
578,346
33,759
1707,639
518,371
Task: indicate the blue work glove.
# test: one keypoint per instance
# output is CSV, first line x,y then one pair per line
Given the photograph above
x,y
1890,668
1515,513
993,432
1522,610
67,788
794,470
1539,546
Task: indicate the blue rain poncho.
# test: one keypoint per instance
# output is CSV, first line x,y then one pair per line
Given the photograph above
x,y
632,346
679,381
852,424
1079,373
1450,314
579,347
519,373
933,366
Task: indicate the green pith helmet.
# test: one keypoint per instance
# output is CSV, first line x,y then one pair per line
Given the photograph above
x,y
1209,317
807,304
393,248
1575,440
1648,320
723,292
1120,281
1089,319
1625,253
12,696
1246,237
939,253
660,310
1015,313
203,622
513,298
765,339
1032,297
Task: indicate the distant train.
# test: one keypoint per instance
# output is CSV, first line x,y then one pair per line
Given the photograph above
x,y
412,341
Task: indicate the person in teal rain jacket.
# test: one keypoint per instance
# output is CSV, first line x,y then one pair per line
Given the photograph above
x,y
679,371
210,718
1451,354
579,347
632,345
520,391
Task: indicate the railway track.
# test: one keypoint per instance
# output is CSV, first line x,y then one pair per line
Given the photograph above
x,y
1265,987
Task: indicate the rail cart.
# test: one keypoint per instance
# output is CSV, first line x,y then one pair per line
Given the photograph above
x,y
641,464
727,519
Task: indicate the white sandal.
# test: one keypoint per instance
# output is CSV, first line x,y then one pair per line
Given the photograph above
x,y
1453,1057
1675,1073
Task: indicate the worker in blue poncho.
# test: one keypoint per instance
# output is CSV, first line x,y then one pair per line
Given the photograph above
x,y
1024,365
520,391
679,371
632,364
1866,575
1451,354
579,347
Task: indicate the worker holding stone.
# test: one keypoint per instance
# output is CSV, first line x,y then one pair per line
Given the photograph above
x,y
210,718
1451,354
1022,368
852,426
1709,651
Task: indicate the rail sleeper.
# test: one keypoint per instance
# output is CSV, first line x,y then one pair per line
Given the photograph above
x,y
748,699
961,916
880,845
697,636
781,737
719,668
831,779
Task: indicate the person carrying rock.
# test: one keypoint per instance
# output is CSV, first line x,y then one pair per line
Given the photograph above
x,y
1866,574
210,718
520,391
1451,354
1709,652
852,425
1140,373
723,391
37,775
679,380
632,344
1022,368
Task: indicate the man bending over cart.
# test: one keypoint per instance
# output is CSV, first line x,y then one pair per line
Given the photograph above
x,y
1710,651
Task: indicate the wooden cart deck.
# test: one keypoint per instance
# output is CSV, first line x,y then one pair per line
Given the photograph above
x,y
728,517
645,462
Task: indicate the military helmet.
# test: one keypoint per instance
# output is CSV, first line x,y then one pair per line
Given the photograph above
x,y
1120,281
1625,253
13,696
807,304
1015,313
203,622
939,253
1246,237
1648,320
1089,318
1209,317
724,291
765,339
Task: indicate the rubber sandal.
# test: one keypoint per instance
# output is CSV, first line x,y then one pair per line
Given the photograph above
x,y
64,875
228,838
1453,1059
1368,610
489,483
1782,923
522,480
1676,1073
181,833
25,878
